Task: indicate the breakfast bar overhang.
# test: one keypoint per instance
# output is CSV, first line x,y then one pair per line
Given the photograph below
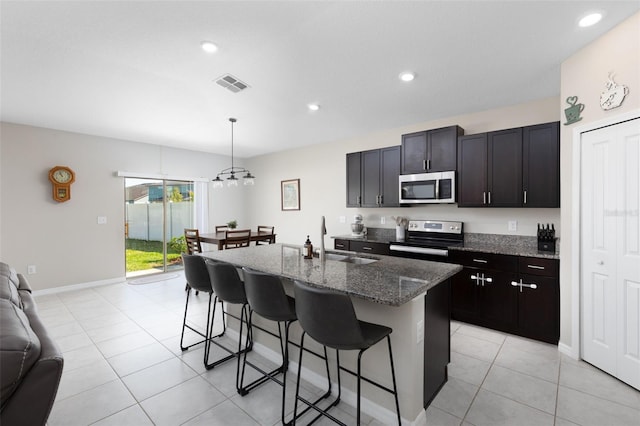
x,y
410,296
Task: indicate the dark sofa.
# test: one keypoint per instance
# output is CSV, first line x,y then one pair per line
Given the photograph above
x,y
30,361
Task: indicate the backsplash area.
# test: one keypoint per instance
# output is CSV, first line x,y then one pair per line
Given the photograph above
x,y
476,220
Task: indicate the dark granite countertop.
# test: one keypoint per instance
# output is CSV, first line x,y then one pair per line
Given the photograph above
x,y
516,245
389,281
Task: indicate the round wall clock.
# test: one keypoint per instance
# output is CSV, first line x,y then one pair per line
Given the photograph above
x,y
61,178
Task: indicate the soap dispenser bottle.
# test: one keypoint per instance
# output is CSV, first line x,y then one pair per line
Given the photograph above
x,y
308,249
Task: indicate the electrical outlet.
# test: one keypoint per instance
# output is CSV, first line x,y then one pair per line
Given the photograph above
x,y
513,225
420,331
383,220
343,219
31,269
102,220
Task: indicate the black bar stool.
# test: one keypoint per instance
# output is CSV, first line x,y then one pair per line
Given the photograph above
x,y
267,298
229,288
195,271
329,318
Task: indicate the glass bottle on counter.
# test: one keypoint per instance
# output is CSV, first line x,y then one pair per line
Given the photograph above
x,y
308,249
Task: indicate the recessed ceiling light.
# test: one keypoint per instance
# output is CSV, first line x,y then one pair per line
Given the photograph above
x,y
313,107
407,76
208,46
590,19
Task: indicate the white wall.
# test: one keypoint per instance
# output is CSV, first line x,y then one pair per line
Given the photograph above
x,y
322,172
584,75
64,240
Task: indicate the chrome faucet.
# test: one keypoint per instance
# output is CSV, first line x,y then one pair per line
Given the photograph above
x,y
323,232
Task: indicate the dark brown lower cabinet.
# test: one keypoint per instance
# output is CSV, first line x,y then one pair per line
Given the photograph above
x,y
518,295
485,297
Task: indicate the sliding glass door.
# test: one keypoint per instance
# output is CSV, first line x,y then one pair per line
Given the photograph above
x,y
156,213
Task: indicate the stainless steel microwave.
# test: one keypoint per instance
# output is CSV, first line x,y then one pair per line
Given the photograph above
x,y
428,188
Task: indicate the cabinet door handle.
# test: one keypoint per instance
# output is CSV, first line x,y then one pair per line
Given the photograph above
x,y
480,261
381,200
428,164
484,197
340,245
367,248
424,164
359,198
521,284
535,267
525,197
489,197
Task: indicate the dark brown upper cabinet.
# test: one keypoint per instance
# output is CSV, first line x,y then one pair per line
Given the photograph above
x,y
353,179
541,165
517,167
372,178
430,150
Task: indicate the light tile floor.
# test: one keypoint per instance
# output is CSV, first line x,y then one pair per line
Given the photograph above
x,y
123,366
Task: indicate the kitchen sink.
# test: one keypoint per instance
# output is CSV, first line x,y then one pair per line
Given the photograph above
x,y
334,256
356,260
359,260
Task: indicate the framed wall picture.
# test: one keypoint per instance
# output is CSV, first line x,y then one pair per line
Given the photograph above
x,y
290,194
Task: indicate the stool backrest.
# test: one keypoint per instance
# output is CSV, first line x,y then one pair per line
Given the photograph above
x,y
195,271
328,317
226,282
192,238
266,296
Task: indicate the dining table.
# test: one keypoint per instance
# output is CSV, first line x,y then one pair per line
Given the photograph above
x,y
219,238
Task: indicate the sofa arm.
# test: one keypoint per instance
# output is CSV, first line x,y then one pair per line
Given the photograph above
x,y
31,402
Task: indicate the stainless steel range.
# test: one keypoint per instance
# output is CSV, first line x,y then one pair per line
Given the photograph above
x,y
429,240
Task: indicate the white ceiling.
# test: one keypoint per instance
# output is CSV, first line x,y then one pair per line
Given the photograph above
x,y
134,70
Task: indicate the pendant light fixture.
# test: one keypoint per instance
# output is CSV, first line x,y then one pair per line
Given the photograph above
x,y
232,180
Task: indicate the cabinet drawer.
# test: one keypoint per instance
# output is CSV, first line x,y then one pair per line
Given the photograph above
x,y
340,244
367,247
539,266
500,262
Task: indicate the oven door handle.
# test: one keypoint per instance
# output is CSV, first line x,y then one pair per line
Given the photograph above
x,y
419,250
437,189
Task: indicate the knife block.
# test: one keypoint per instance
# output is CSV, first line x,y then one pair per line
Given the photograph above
x,y
546,239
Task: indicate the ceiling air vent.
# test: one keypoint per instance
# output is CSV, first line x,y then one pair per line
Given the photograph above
x,y
230,82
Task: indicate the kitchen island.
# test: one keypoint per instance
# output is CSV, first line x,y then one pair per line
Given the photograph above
x,y
411,297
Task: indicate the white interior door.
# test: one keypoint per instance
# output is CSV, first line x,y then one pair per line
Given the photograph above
x,y
610,250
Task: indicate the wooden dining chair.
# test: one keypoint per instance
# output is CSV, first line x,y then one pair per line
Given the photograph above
x,y
267,239
222,228
192,238
236,238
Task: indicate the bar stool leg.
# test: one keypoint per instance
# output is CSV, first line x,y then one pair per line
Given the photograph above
x,y
313,405
209,331
393,378
184,321
184,325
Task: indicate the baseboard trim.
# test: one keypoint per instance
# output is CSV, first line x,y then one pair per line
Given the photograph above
x,y
568,350
81,286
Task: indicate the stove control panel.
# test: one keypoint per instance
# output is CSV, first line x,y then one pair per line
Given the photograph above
x,y
438,226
